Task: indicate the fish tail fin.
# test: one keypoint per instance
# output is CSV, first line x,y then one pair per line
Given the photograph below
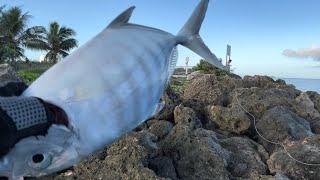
x,y
189,36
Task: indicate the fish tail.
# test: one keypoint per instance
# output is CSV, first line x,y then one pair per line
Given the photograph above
x,y
189,36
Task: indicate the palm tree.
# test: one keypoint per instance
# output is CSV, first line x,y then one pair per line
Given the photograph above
x,y
56,40
14,34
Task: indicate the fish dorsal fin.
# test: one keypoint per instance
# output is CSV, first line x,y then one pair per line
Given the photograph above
x,y
123,18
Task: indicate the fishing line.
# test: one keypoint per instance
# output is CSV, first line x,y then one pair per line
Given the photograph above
x,y
272,142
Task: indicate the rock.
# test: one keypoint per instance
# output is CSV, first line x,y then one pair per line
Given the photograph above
x,y
209,89
194,75
10,83
266,82
12,89
204,89
258,100
258,81
186,116
163,166
315,98
232,119
196,153
278,176
306,150
279,124
161,128
7,74
171,100
247,157
305,108
128,158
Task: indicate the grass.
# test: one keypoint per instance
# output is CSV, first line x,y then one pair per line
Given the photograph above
x,y
178,84
28,76
30,72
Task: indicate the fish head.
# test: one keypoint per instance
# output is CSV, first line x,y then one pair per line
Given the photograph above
x,y
41,155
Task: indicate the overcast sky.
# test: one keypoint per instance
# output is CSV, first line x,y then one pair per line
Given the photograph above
x,y
270,37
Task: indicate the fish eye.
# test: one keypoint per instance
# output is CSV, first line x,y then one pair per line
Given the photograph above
x,y
37,158
40,161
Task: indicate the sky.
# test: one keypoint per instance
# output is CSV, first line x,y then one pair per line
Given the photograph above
x,y
278,38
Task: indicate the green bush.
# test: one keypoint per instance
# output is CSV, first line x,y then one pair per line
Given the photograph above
x,y
208,68
28,76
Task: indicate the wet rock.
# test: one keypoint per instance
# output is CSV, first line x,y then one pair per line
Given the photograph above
x,y
232,119
186,116
8,74
247,158
196,153
279,124
161,128
315,98
306,151
171,100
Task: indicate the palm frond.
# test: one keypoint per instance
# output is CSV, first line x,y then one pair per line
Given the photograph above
x,y
65,32
63,53
68,44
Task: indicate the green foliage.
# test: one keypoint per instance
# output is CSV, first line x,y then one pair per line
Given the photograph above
x,y
177,85
31,71
208,68
57,41
12,33
28,76
15,36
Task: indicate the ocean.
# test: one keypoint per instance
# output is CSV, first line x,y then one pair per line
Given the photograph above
x,y
304,84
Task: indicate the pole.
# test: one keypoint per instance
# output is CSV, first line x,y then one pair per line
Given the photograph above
x,y
187,62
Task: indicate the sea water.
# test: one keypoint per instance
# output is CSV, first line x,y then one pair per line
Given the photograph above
x,y
304,84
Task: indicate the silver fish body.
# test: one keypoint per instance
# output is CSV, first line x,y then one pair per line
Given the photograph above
x,y
107,87
109,90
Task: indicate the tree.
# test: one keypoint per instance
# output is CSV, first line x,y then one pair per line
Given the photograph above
x,y
14,33
57,41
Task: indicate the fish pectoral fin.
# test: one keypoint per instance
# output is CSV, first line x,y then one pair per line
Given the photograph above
x,y
123,18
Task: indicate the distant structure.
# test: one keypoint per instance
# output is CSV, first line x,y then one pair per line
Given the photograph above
x,y
187,62
228,57
42,58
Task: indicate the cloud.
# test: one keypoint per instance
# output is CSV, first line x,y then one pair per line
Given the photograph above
x,y
312,52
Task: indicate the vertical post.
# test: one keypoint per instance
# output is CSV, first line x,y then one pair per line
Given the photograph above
x,y
187,62
228,57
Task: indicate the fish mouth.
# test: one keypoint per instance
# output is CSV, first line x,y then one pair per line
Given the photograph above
x,y
5,168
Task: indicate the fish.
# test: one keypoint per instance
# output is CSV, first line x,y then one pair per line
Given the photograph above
x,y
107,87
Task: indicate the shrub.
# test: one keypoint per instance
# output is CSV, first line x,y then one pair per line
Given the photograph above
x,y
208,68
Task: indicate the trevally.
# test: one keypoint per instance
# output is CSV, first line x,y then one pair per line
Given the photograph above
x,y
106,87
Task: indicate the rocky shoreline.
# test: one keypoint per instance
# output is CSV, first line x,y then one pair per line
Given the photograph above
x,y
202,133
